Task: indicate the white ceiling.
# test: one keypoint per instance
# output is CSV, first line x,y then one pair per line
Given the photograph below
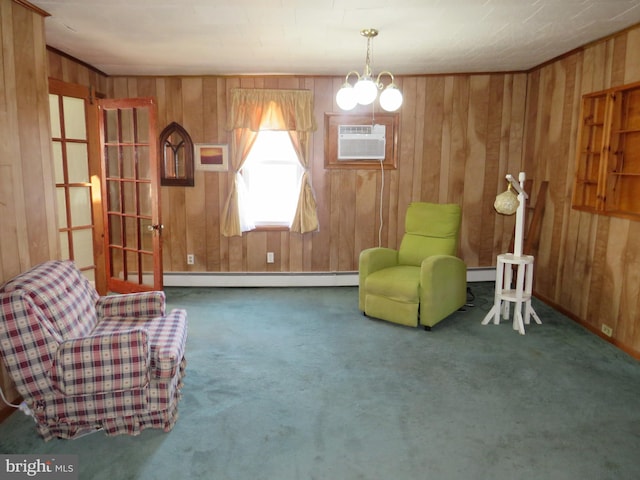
x,y
321,37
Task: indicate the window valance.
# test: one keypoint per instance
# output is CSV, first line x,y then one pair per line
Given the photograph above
x,y
252,108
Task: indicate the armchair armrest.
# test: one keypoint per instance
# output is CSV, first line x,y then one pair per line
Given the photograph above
x,y
102,363
371,260
443,281
143,304
374,259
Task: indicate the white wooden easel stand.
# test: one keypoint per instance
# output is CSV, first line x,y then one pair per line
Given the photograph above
x,y
505,292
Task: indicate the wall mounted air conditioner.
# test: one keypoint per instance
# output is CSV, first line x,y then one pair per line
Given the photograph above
x,y
361,142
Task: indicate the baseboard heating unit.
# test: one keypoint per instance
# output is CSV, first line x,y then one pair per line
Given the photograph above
x,y
286,279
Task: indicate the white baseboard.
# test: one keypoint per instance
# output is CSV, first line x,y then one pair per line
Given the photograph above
x,y
285,279
259,279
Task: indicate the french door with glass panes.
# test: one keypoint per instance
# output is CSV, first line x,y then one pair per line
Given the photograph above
x,y
77,173
130,186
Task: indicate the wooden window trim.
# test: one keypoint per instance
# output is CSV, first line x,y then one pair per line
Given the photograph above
x,y
331,122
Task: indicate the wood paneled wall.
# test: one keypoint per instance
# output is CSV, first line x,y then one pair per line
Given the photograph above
x,y
459,136
28,224
588,264
68,70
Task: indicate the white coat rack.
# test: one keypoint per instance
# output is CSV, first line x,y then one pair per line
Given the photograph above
x,y
506,293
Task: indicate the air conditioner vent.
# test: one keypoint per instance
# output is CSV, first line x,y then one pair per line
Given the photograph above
x,y
361,142
355,129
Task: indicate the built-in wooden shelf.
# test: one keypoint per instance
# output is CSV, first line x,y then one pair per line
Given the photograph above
x,y
607,177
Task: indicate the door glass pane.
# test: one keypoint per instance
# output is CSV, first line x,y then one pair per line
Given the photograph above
x,y
115,230
58,167
117,263
142,115
62,207
80,200
129,191
54,113
113,161
111,126
113,186
147,234
83,247
131,261
147,269
126,125
128,162
74,121
144,168
131,231
78,162
64,246
144,192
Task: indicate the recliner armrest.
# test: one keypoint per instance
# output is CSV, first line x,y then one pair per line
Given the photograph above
x,y
102,363
442,269
143,304
443,287
371,260
376,258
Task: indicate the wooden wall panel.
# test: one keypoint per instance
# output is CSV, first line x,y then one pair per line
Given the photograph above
x,y
458,136
587,264
28,227
478,139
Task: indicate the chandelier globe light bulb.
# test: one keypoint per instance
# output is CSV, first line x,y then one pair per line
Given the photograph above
x,y
366,91
391,98
346,97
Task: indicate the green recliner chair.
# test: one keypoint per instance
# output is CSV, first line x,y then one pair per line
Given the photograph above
x,y
423,281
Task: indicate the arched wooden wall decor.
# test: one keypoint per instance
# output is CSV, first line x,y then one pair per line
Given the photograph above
x,y
176,157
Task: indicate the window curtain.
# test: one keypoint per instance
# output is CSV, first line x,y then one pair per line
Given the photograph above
x,y
253,110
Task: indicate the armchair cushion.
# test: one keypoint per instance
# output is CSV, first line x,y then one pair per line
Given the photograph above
x,y
430,229
401,283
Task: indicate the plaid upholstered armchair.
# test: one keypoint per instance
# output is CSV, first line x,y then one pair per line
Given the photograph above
x,y
83,362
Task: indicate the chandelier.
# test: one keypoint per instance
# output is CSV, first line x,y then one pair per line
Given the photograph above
x,y
365,90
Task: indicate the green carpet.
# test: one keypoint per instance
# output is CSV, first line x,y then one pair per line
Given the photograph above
x,y
295,383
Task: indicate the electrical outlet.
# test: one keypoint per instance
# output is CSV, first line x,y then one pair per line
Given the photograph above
x,y
607,330
191,259
270,257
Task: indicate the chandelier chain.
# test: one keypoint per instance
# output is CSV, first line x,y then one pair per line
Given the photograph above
x,y
368,70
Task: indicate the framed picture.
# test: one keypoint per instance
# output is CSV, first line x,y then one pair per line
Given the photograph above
x,y
211,157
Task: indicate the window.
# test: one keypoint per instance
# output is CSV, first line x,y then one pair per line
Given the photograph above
x,y
276,116
272,174
608,159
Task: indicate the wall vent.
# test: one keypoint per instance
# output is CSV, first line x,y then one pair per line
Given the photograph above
x,y
361,142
